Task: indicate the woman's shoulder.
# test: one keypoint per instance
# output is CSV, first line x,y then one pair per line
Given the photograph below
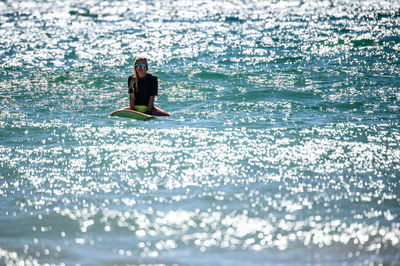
x,y
151,76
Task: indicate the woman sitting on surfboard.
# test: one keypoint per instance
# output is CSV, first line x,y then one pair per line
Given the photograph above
x,y
142,89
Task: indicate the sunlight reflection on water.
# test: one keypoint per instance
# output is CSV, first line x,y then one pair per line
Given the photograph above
x,y
283,139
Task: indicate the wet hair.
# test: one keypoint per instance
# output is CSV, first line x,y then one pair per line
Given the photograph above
x,y
134,82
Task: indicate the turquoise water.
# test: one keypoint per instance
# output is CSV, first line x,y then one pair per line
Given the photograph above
x,y
282,147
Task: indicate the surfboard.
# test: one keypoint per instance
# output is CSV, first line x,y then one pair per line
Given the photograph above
x,y
131,114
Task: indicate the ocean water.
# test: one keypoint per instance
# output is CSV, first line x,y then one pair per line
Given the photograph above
x,y
282,147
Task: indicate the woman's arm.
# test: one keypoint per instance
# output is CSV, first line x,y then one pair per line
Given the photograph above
x,y
132,101
150,105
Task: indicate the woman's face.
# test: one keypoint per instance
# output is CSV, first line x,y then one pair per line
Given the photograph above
x,y
141,66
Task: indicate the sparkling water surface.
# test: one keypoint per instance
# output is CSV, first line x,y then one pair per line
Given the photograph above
x,y
282,147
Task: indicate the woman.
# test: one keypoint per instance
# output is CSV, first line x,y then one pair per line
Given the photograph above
x,y
142,89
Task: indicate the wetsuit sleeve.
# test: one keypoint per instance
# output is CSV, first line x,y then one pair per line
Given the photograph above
x,y
130,79
154,87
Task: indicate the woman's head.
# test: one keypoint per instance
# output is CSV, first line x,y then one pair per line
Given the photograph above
x,y
140,67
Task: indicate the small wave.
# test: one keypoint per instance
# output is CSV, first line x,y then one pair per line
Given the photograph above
x,y
363,42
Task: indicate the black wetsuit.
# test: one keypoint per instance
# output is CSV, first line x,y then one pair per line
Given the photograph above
x,y
147,86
